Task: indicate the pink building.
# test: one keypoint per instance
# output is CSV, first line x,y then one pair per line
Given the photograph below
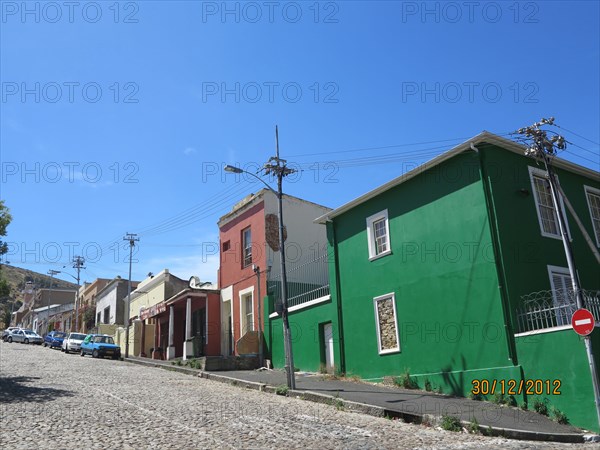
x,y
249,240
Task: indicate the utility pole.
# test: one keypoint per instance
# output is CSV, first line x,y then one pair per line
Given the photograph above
x,y
277,166
132,238
544,148
77,264
51,272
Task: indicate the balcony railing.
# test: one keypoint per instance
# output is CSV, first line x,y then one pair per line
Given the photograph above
x,y
554,308
306,282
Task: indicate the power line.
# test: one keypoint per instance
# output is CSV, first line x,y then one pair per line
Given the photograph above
x,y
385,146
576,134
580,147
582,157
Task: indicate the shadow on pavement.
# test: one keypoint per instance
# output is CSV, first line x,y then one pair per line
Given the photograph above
x,y
18,389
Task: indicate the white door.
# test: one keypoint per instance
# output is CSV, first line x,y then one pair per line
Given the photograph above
x,y
328,341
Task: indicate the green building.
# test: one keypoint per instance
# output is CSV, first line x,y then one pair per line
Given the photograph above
x,y
455,273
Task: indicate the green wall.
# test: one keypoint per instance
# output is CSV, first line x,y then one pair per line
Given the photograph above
x,y
307,338
525,252
442,272
561,355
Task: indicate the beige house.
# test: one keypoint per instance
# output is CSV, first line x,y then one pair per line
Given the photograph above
x,y
150,294
87,303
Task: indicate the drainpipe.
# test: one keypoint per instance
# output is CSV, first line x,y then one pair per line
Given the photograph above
x,y
510,343
331,226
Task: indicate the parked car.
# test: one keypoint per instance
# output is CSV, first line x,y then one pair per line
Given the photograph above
x,y
25,337
54,339
6,332
72,343
100,345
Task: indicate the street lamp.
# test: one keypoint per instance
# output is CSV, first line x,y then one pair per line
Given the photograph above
x,y
278,167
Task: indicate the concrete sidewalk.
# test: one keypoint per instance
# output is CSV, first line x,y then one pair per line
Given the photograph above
x,y
387,401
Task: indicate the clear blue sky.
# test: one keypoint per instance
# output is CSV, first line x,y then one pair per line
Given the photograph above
x,y
117,119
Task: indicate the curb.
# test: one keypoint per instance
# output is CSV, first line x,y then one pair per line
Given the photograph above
x,y
376,411
172,368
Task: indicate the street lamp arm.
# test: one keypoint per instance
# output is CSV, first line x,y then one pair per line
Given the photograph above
x,y
232,169
72,276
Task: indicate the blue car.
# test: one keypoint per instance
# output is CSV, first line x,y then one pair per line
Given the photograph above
x,y
54,339
100,346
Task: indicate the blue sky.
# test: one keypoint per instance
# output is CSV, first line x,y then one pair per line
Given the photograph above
x,y
117,117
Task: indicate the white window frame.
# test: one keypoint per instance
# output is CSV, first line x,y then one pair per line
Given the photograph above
x,y
564,272
534,171
243,313
593,191
391,296
246,247
381,215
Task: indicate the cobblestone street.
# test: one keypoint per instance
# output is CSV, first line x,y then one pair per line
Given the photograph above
x,y
52,400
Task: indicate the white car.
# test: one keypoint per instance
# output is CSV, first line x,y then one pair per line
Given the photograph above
x,y
72,343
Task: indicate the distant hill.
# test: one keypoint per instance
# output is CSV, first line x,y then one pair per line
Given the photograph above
x,y
16,279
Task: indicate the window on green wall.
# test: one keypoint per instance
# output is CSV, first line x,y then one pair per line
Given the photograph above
x,y
386,324
593,201
563,295
544,204
378,235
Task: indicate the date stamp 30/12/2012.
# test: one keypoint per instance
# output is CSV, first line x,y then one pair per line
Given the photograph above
x,y
516,387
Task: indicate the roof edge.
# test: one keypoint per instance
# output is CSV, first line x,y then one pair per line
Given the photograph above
x,y
484,136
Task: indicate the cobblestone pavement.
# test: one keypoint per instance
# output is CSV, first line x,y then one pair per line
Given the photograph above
x,y
52,400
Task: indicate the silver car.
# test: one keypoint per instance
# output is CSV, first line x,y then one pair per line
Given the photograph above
x,y
72,343
25,337
7,332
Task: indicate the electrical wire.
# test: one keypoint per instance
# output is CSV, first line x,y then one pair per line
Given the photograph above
x,y
576,134
582,157
386,146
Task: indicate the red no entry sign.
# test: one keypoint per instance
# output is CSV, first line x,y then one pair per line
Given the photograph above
x,y
582,322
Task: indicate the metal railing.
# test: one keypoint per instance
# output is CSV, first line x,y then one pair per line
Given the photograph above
x,y
306,282
554,308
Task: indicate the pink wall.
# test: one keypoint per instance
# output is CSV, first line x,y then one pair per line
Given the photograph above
x,y
231,271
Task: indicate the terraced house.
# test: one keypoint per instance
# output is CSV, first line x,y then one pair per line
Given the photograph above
x,y
455,272
250,268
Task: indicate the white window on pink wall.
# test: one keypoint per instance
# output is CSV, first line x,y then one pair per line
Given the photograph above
x,y
246,247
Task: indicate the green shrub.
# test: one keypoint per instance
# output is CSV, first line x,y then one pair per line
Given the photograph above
x,y
476,397
428,386
282,389
337,402
405,381
451,423
560,416
541,406
499,399
473,426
